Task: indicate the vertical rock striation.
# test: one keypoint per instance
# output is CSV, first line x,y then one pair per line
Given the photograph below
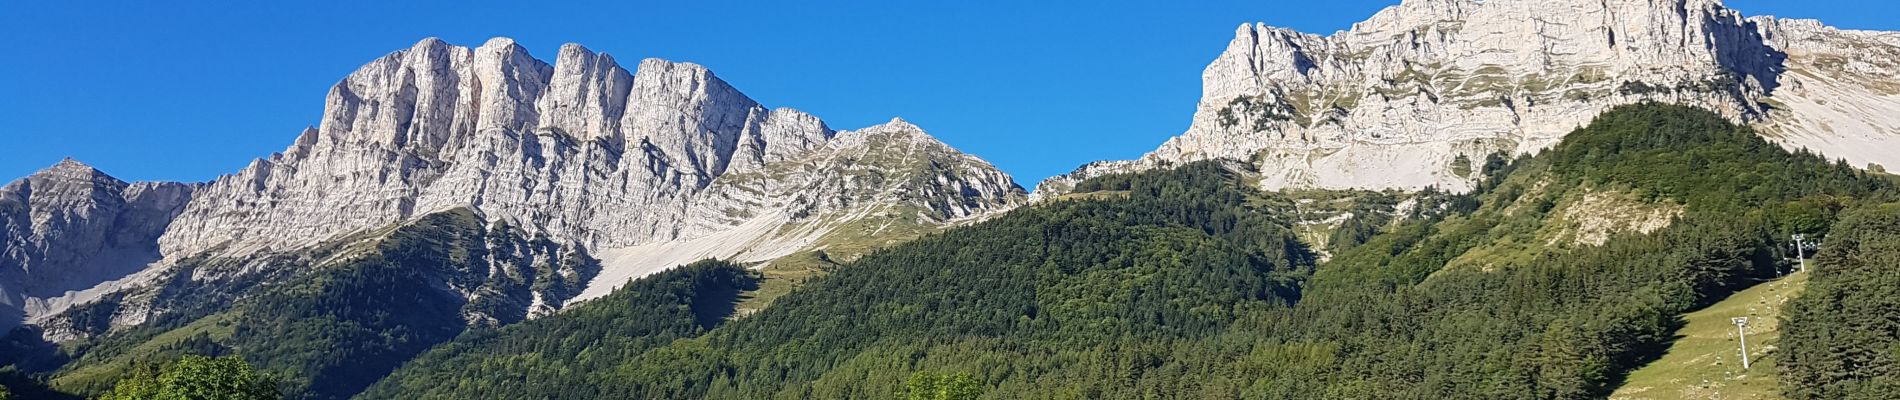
x,y
586,153
583,150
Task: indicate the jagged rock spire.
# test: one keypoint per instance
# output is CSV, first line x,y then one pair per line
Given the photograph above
x,y
582,150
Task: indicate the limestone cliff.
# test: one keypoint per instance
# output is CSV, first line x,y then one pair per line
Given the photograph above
x,y
1401,100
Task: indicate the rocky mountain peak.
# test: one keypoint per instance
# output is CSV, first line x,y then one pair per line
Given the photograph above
x,y
68,165
69,171
405,123
896,127
896,123
67,182
583,152
1398,100
71,226
894,137
1503,38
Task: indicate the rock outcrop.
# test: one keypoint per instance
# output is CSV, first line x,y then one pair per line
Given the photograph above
x,y
69,227
1840,94
1402,99
583,152
887,181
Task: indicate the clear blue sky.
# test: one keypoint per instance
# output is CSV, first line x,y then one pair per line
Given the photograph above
x,y
189,90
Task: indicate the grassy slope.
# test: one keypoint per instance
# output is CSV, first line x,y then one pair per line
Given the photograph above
x,y
93,377
889,226
889,162
1702,364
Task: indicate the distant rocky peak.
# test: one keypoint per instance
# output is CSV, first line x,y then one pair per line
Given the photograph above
x,y
901,140
67,182
70,226
896,128
70,164
74,169
896,124
69,189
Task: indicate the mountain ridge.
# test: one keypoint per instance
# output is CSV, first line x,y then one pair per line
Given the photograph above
x,y
582,151
1395,101
1535,192
69,225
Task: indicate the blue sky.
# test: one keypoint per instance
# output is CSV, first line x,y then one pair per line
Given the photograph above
x,y
189,90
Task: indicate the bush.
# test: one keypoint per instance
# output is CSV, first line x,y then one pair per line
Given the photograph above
x,y
198,377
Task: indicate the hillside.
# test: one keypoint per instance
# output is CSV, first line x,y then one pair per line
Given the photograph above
x,y
1704,361
451,189
1396,100
339,316
553,357
1186,255
1186,282
1449,199
1842,339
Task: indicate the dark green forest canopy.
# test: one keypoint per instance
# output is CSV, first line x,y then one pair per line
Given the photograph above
x,y
1565,321
1187,283
562,356
1183,282
1185,256
333,328
1841,340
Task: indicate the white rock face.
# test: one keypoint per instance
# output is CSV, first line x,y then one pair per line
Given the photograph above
x,y
583,151
1841,93
69,227
1398,99
866,183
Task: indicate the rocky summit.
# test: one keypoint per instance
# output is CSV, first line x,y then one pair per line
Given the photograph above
x,y
640,166
1414,96
69,227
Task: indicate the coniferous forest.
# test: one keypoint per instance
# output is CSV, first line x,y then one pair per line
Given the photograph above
x,y
1184,283
1372,200
1181,282
1843,338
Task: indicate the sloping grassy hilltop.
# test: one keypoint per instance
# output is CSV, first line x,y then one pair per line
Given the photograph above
x,y
1704,363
